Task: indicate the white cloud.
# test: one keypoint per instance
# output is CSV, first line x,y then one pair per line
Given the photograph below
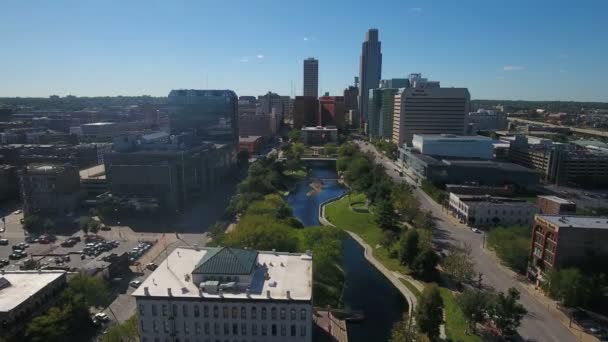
x,y
416,10
305,39
513,68
259,56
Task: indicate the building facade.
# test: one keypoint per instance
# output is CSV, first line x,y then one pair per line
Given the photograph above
x,y
311,77
380,113
257,124
483,211
332,111
425,108
305,111
319,135
50,189
454,146
370,69
227,294
251,144
210,114
485,120
566,241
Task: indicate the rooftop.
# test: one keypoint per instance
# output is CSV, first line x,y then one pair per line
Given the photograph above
x,y
557,199
94,172
452,138
286,272
491,199
320,128
249,138
224,260
100,124
23,285
590,222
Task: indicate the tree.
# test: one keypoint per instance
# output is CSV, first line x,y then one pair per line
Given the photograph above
x,y
569,285
297,149
424,220
404,330
125,332
294,135
425,263
507,312
50,327
429,312
94,226
408,246
475,305
262,232
30,222
330,149
91,290
458,264
512,246
48,225
385,215
388,238
83,224
404,202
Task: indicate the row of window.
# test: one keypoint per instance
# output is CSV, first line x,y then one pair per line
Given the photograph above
x,y
226,312
225,329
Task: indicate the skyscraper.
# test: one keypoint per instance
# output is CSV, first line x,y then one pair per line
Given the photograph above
x,y
370,70
311,77
332,111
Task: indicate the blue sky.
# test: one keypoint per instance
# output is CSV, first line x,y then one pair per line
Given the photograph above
x,y
499,49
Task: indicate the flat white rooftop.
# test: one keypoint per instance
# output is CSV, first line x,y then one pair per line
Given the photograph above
x,y
592,222
557,199
23,285
94,172
452,138
289,272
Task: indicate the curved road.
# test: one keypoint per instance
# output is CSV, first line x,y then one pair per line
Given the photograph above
x,y
540,322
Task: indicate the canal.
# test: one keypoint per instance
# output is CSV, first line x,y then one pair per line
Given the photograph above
x,y
365,288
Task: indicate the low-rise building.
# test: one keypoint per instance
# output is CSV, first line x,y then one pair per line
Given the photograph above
x,y
488,210
319,135
250,143
553,205
25,294
93,180
221,294
9,182
566,241
454,146
50,189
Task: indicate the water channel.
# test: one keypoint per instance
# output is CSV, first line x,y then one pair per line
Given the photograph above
x,y
366,288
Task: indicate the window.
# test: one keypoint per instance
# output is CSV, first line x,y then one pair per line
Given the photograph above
x,y
263,313
154,327
273,313
243,313
243,329
205,311
225,312
164,310
235,329
197,311
197,327
283,330
274,330
206,328
293,330
282,313
234,312
154,310
302,330
254,329
264,330
166,326
292,314
216,312
226,329
303,314
254,313
185,310
186,327
174,310
142,309
216,328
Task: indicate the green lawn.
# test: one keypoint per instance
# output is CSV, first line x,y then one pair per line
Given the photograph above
x,y
411,287
362,224
455,325
301,173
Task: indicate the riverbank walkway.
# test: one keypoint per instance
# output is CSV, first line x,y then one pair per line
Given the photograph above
x,y
330,325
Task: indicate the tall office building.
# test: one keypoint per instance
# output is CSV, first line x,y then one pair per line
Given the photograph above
x,y
210,114
274,102
380,113
311,77
426,108
370,70
332,112
305,111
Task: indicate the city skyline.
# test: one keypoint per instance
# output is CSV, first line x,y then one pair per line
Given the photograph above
x,y
539,51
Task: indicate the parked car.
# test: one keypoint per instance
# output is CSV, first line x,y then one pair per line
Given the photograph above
x,y
135,283
475,230
75,238
151,266
31,239
17,212
4,262
67,243
3,242
106,228
102,317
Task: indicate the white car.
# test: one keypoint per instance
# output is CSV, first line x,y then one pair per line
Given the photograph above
x,y
17,212
135,283
474,230
102,317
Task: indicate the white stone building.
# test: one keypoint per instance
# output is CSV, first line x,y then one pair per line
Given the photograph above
x,y
481,211
227,294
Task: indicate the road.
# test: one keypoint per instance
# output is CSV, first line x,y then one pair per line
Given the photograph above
x,y
539,323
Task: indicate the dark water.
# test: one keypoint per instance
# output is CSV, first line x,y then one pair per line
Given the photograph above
x,y
366,288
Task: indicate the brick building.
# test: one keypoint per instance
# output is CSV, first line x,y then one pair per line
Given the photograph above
x,y
553,205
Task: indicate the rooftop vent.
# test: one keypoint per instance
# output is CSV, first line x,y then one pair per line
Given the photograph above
x,y
196,247
267,293
248,292
288,294
169,292
4,283
146,291
273,283
187,277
